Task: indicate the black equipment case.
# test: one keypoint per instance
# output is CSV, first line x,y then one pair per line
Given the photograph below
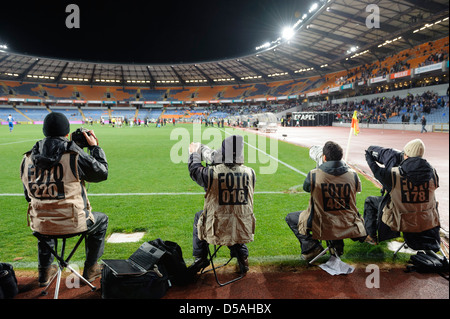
x,y
142,276
150,285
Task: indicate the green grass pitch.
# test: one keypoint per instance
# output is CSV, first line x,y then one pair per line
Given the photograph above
x,y
145,161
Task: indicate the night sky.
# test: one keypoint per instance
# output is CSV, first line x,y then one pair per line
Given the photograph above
x,y
153,32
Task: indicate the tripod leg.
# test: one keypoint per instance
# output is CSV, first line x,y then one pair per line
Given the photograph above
x,y
58,282
401,246
81,277
44,292
323,252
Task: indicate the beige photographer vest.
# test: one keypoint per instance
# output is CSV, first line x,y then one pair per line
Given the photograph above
x,y
411,208
332,213
227,217
59,204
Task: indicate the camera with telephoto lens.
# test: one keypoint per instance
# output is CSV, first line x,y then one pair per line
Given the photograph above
x,y
79,138
316,153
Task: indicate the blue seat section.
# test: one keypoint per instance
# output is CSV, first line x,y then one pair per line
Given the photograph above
x,y
152,114
71,113
436,115
128,113
95,113
6,111
152,95
219,115
36,114
175,112
24,90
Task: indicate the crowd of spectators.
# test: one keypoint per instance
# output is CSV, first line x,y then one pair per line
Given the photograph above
x,y
249,109
380,109
435,58
377,110
398,63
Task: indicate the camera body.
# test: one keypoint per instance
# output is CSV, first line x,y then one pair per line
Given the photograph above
x,y
79,138
388,157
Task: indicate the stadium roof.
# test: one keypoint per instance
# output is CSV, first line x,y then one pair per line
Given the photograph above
x,y
332,37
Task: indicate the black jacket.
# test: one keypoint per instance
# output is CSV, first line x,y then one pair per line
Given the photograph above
x,y
388,157
91,168
416,169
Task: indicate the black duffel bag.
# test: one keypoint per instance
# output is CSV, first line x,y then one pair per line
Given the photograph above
x,y
428,262
173,262
8,282
147,280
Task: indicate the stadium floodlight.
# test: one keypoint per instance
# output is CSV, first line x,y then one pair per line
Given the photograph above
x,y
313,7
352,49
3,47
287,33
263,46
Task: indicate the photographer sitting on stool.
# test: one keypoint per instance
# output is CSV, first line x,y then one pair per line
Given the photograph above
x,y
410,205
53,174
332,213
227,217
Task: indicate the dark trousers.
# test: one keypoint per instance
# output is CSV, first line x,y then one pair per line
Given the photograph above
x,y
306,241
373,210
200,247
94,242
371,214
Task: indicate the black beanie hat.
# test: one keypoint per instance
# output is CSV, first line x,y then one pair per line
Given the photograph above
x,y
56,124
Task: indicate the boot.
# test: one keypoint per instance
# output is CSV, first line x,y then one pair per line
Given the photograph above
x,y
243,264
93,272
45,274
309,255
337,248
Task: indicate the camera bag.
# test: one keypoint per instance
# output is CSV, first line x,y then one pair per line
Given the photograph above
x,y
173,262
150,284
428,262
8,282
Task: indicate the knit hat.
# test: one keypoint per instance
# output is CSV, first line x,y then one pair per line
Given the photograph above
x,y
414,148
56,124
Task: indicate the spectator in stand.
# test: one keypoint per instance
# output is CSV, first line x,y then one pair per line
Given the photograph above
x,y
424,123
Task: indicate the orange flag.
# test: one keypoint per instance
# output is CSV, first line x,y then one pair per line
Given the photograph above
x,y
355,124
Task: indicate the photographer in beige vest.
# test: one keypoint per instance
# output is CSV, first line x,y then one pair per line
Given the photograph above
x,y
227,217
53,173
331,213
410,206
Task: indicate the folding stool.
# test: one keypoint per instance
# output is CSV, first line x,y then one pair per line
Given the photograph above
x,y
62,263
